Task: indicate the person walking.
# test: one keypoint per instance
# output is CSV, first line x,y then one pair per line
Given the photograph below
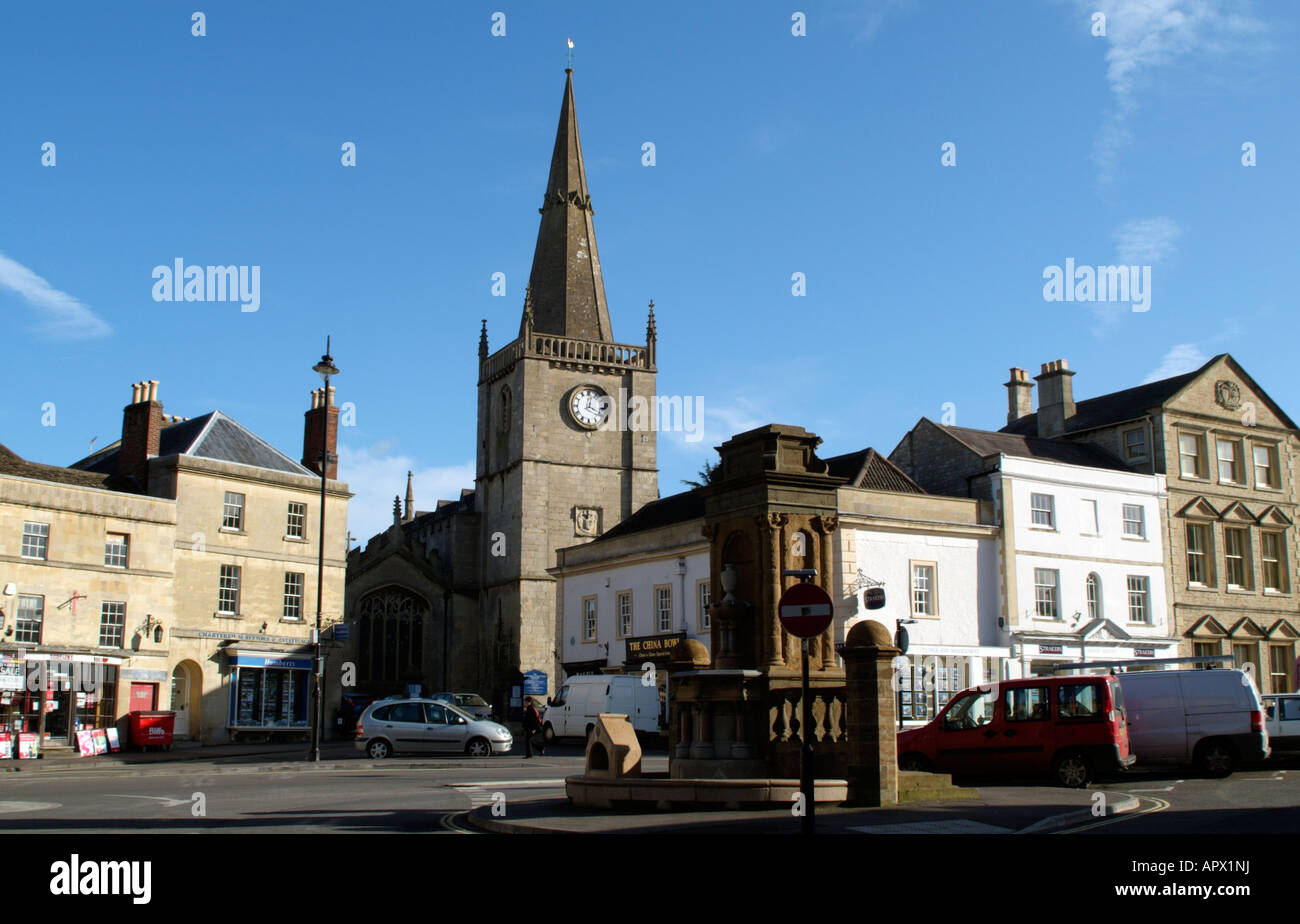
x,y
532,726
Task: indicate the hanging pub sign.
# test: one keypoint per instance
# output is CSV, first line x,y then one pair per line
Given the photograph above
x,y
901,640
873,598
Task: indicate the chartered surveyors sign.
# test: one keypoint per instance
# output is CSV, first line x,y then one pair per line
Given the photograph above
x,y
652,647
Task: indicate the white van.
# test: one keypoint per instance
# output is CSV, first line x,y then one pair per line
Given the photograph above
x,y
572,712
1210,718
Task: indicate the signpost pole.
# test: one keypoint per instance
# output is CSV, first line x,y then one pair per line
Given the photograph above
x,y
808,824
805,611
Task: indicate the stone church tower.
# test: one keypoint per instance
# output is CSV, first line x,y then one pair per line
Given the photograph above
x,y
554,464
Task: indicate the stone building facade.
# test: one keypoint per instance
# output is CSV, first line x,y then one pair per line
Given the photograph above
x,y
183,560
1229,455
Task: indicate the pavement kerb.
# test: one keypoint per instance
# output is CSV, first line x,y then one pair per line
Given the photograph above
x,y
1113,806
1116,804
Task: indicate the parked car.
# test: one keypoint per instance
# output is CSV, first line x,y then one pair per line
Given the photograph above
x,y
1071,727
470,703
572,711
1282,720
393,726
1210,718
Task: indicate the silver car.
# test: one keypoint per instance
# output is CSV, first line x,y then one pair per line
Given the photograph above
x,y
413,725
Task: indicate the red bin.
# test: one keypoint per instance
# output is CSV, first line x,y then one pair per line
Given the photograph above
x,y
151,729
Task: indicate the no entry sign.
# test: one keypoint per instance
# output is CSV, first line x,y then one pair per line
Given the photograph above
x,y
805,610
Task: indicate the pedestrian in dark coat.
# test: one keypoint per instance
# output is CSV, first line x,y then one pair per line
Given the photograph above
x,y
532,726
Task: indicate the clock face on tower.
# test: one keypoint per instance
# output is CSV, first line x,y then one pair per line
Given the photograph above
x,y
588,406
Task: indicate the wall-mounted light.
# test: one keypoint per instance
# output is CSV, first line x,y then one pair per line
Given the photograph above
x,y
157,634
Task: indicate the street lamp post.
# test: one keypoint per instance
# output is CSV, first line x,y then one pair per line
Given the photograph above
x,y
325,368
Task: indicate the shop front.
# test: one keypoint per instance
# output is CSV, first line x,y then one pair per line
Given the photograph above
x,y
270,692
1038,654
928,676
47,697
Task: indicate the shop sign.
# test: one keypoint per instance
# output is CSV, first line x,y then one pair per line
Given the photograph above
x,y
652,647
1049,649
1144,652
271,661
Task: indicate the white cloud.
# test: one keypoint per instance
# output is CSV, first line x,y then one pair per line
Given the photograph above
x,y
62,316
867,16
1146,37
375,477
1183,357
1145,241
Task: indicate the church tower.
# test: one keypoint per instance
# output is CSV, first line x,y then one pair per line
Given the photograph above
x,y
557,462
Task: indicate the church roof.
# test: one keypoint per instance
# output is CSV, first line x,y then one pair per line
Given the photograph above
x,y
212,436
867,468
567,292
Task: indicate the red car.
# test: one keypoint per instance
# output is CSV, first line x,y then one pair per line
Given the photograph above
x,y
1071,727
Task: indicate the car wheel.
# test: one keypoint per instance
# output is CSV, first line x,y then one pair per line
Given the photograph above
x,y
479,747
1216,758
378,749
548,733
917,763
1072,769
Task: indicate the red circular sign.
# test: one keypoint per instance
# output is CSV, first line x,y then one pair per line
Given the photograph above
x,y
805,610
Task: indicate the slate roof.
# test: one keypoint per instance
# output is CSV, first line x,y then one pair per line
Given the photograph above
x,y
867,468
1105,410
212,436
675,508
989,443
13,464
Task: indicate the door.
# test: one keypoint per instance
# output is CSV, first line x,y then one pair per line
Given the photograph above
x,y
446,729
557,713
1157,724
408,728
144,697
181,702
966,734
1025,741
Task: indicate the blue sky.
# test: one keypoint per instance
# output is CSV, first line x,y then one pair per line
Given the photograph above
x,y
775,154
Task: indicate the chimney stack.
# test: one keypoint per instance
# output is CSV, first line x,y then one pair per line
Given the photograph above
x,y
142,423
321,432
1020,395
1055,398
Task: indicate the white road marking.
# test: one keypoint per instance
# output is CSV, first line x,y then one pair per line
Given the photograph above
x,y
1158,789
953,826
165,800
7,808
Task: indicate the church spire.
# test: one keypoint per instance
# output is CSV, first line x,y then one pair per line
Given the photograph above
x,y
410,498
568,293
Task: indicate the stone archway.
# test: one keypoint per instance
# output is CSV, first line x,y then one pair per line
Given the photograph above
x,y
187,700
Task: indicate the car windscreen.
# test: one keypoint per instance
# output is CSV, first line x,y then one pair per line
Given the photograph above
x,y
470,699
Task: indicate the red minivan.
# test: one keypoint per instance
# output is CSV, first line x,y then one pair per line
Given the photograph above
x,y
1071,727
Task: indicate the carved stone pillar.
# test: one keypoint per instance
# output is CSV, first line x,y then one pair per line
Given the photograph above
x,y
827,527
776,543
702,746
